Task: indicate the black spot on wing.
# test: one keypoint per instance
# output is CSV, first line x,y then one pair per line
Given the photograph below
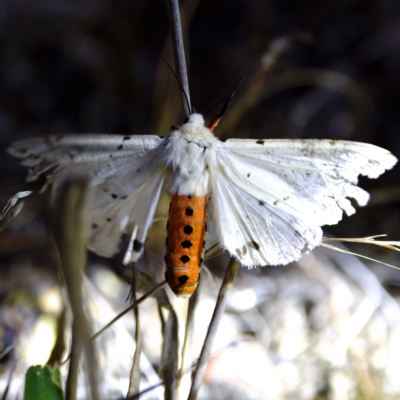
x,y
254,245
260,141
137,246
127,138
120,147
114,196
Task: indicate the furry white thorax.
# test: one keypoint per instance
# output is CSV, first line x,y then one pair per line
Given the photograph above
x,y
190,151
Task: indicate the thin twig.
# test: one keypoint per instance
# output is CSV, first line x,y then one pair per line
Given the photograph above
x,y
4,397
179,52
4,352
134,378
133,305
213,251
169,359
144,391
189,331
70,226
212,329
187,365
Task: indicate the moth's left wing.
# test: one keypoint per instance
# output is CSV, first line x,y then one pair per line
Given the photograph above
x,y
126,175
127,216
277,193
101,155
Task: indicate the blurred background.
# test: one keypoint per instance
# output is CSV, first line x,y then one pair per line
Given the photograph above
x,y
324,328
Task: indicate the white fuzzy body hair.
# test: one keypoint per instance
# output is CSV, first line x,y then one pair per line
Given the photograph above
x,y
190,152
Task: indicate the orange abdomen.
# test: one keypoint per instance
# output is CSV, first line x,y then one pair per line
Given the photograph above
x,y
186,230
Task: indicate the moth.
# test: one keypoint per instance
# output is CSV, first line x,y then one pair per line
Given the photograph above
x,y
267,199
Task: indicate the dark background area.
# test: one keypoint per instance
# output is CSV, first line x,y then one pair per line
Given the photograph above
x,y
94,66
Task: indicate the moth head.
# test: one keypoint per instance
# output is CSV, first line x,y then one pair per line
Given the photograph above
x,y
195,119
194,125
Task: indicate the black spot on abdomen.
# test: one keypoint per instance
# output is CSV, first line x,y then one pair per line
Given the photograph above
x,y
189,211
188,229
183,279
185,259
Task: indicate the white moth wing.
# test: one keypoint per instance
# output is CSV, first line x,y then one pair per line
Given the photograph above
x,y
323,174
360,158
99,153
249,228
126,175
132,215
87,142
277,193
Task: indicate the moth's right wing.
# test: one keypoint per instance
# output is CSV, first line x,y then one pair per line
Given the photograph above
x,y
126,175
270,197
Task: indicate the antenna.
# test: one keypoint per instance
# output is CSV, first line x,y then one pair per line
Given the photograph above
x,y
214,122
180,85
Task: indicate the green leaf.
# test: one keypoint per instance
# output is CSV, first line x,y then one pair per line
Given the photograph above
x,y
43,383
